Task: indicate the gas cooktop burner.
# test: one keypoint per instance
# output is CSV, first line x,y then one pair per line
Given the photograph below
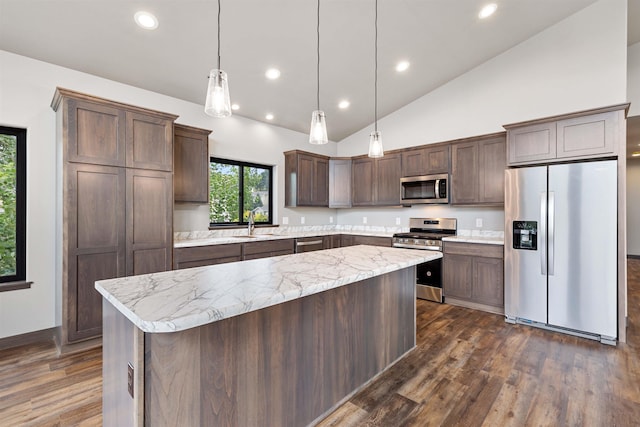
x,y
426,233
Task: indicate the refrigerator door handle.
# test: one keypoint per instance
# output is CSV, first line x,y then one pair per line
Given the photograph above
x,y
543,233
552,214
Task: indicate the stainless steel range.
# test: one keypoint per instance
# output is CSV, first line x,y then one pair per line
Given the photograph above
x,y
427,234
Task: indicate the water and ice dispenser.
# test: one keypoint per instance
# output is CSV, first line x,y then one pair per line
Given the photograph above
x,y
525,235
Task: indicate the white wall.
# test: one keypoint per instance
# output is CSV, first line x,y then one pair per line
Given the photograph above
x,y
633,79
577,64
26,89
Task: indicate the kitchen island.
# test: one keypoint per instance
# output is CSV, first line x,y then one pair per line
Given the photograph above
x,y
275,341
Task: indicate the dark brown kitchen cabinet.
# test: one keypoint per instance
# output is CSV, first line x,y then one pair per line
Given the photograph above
x,y
116,220
473,274
190,164
340,183
198,256
581,135
267,248
426,160
376,182
306,179
477,170
372,240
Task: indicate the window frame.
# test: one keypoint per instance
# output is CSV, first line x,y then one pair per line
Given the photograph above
x,y
242,165
21,204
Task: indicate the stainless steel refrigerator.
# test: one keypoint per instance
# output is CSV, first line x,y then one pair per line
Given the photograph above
x,y
561,248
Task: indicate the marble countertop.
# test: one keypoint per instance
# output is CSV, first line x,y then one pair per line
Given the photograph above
x,y
182,299
487,240
243,238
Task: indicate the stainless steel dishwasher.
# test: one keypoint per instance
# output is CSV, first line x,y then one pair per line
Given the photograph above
x,y
308,244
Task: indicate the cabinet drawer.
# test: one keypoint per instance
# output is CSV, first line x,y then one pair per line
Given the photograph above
x,y
474,249
254,248
207,255
372,240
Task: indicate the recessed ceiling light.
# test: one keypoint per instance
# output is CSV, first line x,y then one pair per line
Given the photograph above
x,y
146,20
269,116
235,107
344,104
487,11
402,66
272,73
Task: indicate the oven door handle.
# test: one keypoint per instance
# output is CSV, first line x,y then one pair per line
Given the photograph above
x,y
422,248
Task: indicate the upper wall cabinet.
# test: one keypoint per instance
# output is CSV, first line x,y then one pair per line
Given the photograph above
x,y
376,182
190,164
426,160
477,170
586,134
149,142
306,179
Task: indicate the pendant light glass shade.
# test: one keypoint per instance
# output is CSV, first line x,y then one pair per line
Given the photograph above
x,y
218,103
318,133
375,144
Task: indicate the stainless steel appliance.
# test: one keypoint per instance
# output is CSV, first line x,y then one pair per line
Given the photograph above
x,y
427,234
561,248
424,189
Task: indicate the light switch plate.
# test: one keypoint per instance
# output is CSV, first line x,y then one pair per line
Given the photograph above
x,y
398,221
479,222
330,220
364,219
285,220
301,220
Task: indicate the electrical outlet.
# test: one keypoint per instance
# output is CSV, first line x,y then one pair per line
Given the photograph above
x,y
130,378
364,219
479,222
330,220
397,220
301,220
285,220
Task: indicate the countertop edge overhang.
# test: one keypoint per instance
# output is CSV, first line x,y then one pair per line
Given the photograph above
x,y
177,300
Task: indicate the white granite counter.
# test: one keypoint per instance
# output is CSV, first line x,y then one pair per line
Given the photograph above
x,y
475,239
181,299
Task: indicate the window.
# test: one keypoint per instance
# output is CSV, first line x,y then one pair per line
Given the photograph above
x,y
13,192
238,188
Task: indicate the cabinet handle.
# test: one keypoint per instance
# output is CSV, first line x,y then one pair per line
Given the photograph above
x,y
313,242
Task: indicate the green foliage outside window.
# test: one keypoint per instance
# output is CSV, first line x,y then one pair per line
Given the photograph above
x,y
8,158
233,183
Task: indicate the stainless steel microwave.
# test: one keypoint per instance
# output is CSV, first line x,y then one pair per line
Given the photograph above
x,y
424,189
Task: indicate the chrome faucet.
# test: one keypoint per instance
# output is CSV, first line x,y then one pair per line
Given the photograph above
x,y
251,223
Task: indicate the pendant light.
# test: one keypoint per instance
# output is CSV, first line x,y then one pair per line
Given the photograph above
x,y
318,132
375,138
218,103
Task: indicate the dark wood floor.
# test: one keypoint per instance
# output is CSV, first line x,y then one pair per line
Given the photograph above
x,y
470,368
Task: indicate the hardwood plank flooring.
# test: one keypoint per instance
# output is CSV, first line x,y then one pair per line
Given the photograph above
x,y
469,368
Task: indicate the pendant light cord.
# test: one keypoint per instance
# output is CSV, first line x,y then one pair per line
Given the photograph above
x,y
376,77
318,62
218,34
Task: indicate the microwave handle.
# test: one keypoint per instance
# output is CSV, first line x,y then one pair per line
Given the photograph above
x,y
437,189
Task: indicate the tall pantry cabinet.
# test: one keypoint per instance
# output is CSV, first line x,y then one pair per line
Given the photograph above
x,y
115,189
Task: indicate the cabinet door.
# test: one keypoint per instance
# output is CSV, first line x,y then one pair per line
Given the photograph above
x,y
372,241
436,159
388,172
458,276
149,142
464,173
346,240
413,162
268,248
363,182
336,241
96,133
340,183
320,182
149,218
306,173
492,161
488,281
532,143
94,206
198,256
587,136
190,165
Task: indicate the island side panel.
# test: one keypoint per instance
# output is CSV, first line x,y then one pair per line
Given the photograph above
x,y
283,365
122,344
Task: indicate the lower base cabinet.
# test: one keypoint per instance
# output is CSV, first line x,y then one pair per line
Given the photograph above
x,y
198,256
474,273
